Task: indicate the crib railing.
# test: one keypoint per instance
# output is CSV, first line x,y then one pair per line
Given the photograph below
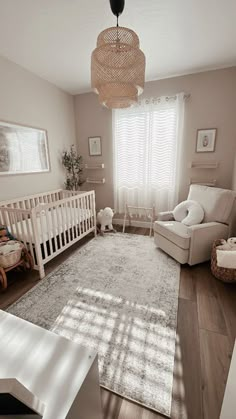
x,y
32,201
48,228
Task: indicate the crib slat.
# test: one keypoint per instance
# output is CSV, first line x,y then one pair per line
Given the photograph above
x,y
42,233
58,224
15,221
85,213
63,226
84,222
29,229
7,220
94,212
21,228
55,233
73,228
49,230
68,222
82,215
77,215
90,212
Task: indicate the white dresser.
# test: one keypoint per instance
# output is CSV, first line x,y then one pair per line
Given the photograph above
x,y
61,373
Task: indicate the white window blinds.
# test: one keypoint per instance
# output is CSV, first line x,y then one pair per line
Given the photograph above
x,y
147,141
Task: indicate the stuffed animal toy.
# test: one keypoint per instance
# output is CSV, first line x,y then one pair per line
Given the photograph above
x,y
230,244
104,218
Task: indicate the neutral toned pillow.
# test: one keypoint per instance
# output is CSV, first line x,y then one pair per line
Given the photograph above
x,y
189,213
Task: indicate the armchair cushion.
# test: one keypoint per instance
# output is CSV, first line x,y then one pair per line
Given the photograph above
x,y
165,216
216,202
174,231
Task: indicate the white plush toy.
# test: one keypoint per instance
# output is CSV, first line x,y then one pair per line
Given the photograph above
x,y
104,218
230,244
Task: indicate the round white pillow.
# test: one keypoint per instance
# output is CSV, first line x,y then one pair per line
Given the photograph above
x,y
189,213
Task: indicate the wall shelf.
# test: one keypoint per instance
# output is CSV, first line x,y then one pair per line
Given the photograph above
x,y
210,182
204,165
89,180
94,166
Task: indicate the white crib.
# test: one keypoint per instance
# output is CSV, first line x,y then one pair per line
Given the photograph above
x,y
50,222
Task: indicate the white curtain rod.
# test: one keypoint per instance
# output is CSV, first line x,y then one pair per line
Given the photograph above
x,y
186,96
174,97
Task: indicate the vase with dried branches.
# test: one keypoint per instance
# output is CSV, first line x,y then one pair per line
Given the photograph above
x,y
73,163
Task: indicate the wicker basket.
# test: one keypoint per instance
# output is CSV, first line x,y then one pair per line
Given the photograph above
x,y
10,258
223,274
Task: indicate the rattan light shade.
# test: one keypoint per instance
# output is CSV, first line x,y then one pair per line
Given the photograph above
x,y
118,68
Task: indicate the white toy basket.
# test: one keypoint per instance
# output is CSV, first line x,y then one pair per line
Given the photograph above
x,y
223,274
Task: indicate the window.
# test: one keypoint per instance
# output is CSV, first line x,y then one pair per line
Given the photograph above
x,y
146,153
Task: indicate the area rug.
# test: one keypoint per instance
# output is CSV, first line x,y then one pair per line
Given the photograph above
x,y
117,294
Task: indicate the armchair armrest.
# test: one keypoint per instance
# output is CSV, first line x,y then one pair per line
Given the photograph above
x,y
165,216
202,237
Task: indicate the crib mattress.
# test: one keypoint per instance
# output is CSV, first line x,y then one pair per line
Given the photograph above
x,y
57,222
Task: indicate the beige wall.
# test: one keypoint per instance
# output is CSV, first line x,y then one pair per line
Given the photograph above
x,y
29,100
234,176
211,106
93,120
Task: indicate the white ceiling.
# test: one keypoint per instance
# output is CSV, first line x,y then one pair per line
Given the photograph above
x,y
54,38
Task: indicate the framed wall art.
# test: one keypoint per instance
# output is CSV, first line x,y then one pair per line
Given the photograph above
x,y
206,139
23,149
95,146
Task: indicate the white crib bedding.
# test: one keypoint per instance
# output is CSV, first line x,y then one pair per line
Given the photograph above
x,y
58,221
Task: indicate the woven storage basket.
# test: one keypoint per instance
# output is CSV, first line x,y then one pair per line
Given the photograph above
x,y
10,259
224,274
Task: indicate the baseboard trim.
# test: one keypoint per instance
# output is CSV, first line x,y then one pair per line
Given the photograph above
x,y
134,223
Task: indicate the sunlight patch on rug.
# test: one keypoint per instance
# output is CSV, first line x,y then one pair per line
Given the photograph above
x,y
118,294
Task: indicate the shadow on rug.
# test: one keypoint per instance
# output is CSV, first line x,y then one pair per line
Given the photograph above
x,y
119,295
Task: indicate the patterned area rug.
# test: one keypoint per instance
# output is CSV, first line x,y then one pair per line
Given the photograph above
x,y
119,295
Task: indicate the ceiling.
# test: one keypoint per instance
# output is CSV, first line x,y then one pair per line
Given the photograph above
x,y
54,38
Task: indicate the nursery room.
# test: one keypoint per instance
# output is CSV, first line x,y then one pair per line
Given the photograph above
x,y
117,209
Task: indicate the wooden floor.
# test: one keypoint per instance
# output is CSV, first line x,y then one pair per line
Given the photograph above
x,y
205,336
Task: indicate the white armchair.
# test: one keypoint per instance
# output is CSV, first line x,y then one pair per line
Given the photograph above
x,y
193,244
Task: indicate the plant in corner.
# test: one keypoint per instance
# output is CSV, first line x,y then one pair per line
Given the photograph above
x,y
73,163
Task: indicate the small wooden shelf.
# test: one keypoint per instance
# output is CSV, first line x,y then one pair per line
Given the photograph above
x,y
94,167
210,182
89,180
204,165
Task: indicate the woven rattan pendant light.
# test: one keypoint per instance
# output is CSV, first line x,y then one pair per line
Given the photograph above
x,y
118,64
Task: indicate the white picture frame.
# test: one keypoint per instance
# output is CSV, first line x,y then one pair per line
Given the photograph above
x,y
95,146
206,139
23,149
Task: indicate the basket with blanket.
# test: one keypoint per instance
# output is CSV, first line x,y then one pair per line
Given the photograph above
x,y
10,253
223,260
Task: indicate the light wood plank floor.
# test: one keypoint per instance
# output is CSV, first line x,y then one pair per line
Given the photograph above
x,y
205,336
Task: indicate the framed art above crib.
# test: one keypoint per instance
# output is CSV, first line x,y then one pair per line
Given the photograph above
x,y
23,149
